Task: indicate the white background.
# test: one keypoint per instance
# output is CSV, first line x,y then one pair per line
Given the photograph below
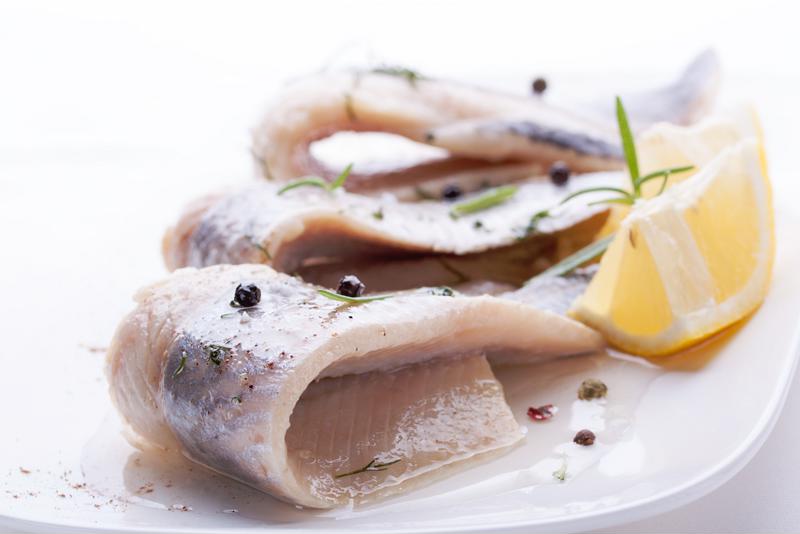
x,y
97,99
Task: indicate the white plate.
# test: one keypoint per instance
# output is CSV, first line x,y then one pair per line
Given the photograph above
x,y
671,435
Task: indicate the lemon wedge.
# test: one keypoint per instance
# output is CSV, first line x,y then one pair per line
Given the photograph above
x,y
690,262
665,145
668,145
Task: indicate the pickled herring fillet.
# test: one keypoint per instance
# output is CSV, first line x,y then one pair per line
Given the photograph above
x,y
290,394
322,235
489,136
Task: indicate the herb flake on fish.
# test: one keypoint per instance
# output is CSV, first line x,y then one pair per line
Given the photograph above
x,y
373,465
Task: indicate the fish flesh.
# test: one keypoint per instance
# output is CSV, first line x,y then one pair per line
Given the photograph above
x,y
507,137
322,235
321,403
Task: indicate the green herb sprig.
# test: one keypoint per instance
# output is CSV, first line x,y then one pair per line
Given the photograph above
x,y
632,162
533,223
316,181
411,76
351,300
261,248
596,249
181,365
575,260
487,200
373,465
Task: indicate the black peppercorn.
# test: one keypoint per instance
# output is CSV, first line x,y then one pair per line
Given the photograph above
x,y
246,295
539,85
351,286
451,192
559,173
442,291
584,437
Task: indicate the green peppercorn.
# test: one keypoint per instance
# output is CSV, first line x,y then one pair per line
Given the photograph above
x,y
591,388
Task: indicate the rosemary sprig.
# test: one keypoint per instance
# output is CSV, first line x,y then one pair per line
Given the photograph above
x,y
341,179
663,173
533,223
460,277
351,300
628,146
626,197
373,465
411,76
632,162
575,260
489,199
261,248
181,365
316,181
